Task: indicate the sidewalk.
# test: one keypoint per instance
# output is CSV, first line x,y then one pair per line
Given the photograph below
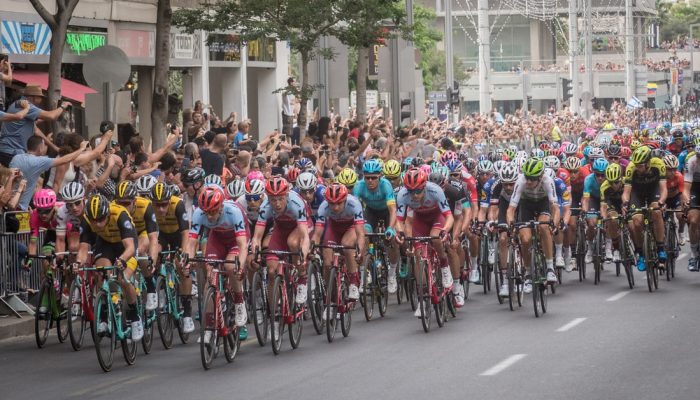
x,y
11,326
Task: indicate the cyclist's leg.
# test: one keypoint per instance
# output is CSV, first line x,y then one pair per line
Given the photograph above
x,y
144,244
658,224
635,224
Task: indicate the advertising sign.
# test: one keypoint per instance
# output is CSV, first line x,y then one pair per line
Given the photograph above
x,y
26,38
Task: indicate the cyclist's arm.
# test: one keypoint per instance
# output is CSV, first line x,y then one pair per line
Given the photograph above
x,y
585,202
663,191
83,253
457,225
60,243
360,232
129,248
603,209
626,194
392,214
449,221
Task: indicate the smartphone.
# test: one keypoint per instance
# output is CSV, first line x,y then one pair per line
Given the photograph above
x,y
4,57
283,137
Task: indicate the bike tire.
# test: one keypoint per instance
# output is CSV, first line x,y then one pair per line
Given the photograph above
x,y
146,317
367,295
296,327
510,275
261,320
164,318
76,320
646,251
208,351
535,277
440,312
316,297
597,257
62,322
180,308
423,292
497,281
345,317
129,347
331,308
277,315
232,342
42,321
411,284
105,343
383,286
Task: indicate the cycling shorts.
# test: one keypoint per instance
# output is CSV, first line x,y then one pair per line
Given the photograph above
x,y
374,217
529,210
112,251
221,244
335,231
644,198
424,223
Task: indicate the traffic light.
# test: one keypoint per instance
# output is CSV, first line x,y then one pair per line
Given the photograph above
x,y
453,95
406,116
567,89
529,102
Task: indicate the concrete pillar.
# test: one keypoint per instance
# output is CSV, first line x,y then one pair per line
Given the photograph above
x,y
253,92
229,82
145,97
243,82
535,51
269,104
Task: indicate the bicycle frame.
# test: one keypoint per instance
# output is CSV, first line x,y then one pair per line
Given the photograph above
x,y
167,271
289,274
338,264
428,253
115,298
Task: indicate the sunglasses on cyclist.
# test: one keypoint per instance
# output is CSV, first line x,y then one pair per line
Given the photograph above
x,y
161,204
44,211
257,197
416,191
74,204
124,203
599,175
371,177
532,178
456,175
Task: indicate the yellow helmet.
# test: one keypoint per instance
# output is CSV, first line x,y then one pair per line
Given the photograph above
x,y
347,177
392,169
613,173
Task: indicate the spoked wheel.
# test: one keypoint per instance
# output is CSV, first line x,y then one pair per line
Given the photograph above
x,y
581,251
367,296
536,282
647,250
179,306
105,341
331,308
42,318
440,306
411,283
423,292
63,320
147,340
76,317
296,327
261,321
512,301
232,340
164,318
208,333
382,283
597,258
129,346
628,258
315,297
345,317
543,296
497,280
277,315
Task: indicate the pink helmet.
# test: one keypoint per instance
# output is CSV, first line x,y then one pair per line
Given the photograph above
x,y
44,198
426,169
447,156
256,175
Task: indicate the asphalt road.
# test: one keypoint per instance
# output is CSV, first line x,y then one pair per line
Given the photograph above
x,y
595,342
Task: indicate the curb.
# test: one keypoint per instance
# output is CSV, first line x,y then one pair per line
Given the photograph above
x,y
23,327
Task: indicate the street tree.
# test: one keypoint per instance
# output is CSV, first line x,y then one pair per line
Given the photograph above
x,y
301,23
159,103
58,23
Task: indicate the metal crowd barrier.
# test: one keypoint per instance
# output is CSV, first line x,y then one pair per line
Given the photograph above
x,y
16,283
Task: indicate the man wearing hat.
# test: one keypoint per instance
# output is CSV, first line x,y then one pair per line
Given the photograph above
x,y
14,135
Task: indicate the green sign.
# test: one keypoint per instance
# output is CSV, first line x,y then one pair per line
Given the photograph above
x,y
80,43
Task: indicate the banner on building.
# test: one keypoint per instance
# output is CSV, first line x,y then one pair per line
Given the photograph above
x,y
182,46
137,43
26,38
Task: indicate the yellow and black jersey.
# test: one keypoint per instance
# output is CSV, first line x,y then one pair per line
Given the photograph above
x,y
609,194
175,219
655,173
143,216
119,226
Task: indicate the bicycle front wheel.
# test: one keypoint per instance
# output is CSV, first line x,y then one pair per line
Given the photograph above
x,y
331,310
129,346
296,327
76,316
42,316
164,318
208,332
382,285
232,341
260,317
277,315
423,293
346,315
367,296
104,332
147,318
411,292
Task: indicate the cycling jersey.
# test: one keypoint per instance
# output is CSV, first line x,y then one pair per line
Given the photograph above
x,y
250,213
351,213
682,158
433,201
379,199
319,193
692,168
609,195
35,223
655,172
591,187
674,185
294,214
675,148
175,219
498,193
485,192
66,222
230,221
143,216
563,194
564,175
470,185
119,226
456,195
543,190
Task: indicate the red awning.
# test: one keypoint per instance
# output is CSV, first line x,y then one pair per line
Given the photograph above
x,y
69,89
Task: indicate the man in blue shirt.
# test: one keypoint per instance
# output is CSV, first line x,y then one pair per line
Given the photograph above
x,y
14,135
34,162
241,137
19,115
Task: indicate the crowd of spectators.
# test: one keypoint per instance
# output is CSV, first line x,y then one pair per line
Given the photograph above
x,y
680,43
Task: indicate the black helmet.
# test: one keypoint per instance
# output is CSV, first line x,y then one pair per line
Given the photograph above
x,y
97,207
193,176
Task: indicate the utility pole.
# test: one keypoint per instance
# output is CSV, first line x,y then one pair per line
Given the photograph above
x,y
630,83
484,57
449,55
573,51
589,58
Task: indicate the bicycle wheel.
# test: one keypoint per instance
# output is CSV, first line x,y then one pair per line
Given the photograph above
x,y
423,292
231,340
76,316
510,275
260,317
411,292
648,259
367,295
331,308
346,315
671,242
63,321
208,332
164,318
316,296
277,315
382,286
106,341
581,249
147,320
42,318
483,265
296,327
628,257
598,255
535,276
497,281
180,309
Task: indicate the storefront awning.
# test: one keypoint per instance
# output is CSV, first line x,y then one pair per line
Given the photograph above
x,y
69,89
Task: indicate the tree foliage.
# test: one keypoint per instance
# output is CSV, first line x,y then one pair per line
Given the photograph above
x,y
675,19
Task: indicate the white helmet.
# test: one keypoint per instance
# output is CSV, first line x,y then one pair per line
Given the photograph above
x,y
235,188
509,173
498,165
306,181
595,153
254,187
145,183
548,172
72,192
552,162
213,180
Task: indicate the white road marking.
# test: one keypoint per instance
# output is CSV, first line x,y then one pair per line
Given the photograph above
x,y
618,296
571,324
503,365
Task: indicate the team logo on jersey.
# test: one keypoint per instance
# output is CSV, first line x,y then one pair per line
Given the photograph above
x,y
128,225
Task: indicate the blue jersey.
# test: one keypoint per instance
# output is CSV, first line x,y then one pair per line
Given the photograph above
x,y
485,193
232,220
563,194
319,197
681,159
379,199
591,187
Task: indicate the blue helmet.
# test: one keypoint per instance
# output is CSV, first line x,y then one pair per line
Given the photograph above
x,y
454,165
372,167
599,165
303,163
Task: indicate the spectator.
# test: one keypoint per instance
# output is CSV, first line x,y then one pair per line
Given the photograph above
x,y
14,135
242,138
5,78
213,157
288,103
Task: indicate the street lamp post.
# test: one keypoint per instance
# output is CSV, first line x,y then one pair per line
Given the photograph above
x,y
692,51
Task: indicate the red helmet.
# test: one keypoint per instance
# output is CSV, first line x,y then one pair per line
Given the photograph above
x,y
211,198
625,152
336,193
277,186
293,174
414,179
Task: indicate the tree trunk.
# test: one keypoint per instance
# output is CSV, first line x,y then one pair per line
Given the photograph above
x,y
159,104
304,98
361,98
53,92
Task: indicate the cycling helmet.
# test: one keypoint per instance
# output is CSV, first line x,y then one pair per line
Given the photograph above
x,y
572,163
596,153
495,156
213,180
175,189
613,172
614,150
533,168
552,162
145,183
519,161
44,199
417,162
498,165
549,173
407,162
391,169
447,156
277,186
484,167
255,175
521,154
454,165
235,188
482,157
625,152
211,198
537,153
544,145
641,155
599,165
193,176
437,178
347,177
73,191
372,167
303,163
510,153
635,144
587,151
255,187
509,173
470,164
336,193
293,174
414,179
126,190
671,161
97,207
161,192
306,181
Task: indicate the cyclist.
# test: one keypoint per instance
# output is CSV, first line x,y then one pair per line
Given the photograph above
x,y
392,172
347,177
611,205
498,206
227,240
68,218
253,198
173,234
691,194
107,228
234,190
591,203
312,193
534,197
146,224
192,182
44,217
431,217
564,199
377,195
645,185
674,186
341,222
144,185
576,179
290,230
